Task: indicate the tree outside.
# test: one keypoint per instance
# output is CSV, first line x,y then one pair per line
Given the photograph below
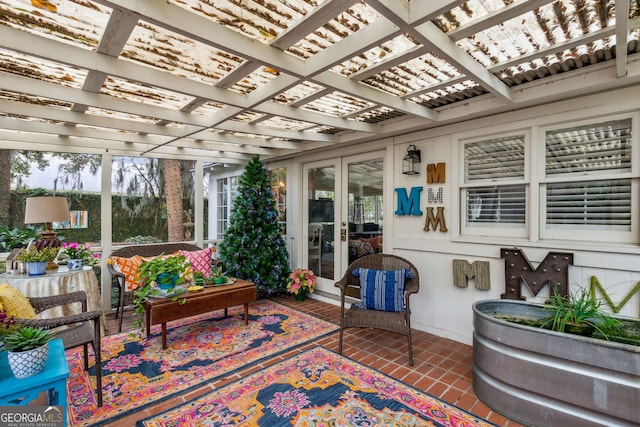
x,y
253,247
143,186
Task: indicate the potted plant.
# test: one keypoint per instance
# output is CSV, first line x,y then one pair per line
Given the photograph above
x,y
301,282
37,260
76,254
578,313
218,276
159,276
522,366
28,349
166,271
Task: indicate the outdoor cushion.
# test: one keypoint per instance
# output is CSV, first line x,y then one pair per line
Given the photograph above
x,y
200,260
15,304
362,248
382,289
129,267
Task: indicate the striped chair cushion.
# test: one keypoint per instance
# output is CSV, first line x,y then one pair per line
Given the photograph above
x,y
382,289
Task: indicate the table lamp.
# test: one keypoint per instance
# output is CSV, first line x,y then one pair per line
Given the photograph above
x,y
46,210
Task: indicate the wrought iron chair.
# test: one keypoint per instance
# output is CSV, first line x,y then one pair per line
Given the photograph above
x,y
79,329
356,317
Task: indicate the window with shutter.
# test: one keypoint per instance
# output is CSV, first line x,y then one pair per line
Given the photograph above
x,y
494,189
588,181
565,178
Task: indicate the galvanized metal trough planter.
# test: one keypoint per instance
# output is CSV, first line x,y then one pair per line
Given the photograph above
x,y
539,377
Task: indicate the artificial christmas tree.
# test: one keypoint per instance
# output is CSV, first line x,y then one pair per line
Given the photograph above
x,y
253,247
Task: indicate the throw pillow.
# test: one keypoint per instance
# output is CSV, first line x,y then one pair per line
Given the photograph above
x,y
382,289
199,260
362,248
15,304
129,267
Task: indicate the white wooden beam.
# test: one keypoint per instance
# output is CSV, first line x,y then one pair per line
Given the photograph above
x,y
317,18
423,11
56,114
495,18
367,93
210,141
209,32
117,32
213,34
622,34
438,42
72,144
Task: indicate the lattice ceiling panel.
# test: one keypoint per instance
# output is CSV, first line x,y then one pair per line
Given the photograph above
x,y
114,114
334,30
172,75
165,50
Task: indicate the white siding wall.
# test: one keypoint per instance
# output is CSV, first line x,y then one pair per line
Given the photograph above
x,y
444,309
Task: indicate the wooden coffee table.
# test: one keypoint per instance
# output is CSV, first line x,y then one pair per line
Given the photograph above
x,y
163,310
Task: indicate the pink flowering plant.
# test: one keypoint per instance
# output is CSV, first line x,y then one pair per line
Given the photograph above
x,y
7,324
75,250
302,281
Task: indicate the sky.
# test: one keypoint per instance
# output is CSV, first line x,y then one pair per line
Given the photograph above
x,y
46,179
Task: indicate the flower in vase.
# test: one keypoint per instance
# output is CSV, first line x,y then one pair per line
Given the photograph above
x,y
75,250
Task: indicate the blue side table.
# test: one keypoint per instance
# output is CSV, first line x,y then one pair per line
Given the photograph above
x,y
53,380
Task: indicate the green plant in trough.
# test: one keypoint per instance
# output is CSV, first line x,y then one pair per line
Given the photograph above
x,y
578,310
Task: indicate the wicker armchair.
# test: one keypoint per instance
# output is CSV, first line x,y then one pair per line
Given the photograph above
x,y
356,317
151,250
79,329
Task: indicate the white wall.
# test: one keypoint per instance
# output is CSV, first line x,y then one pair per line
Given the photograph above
x,y
444,309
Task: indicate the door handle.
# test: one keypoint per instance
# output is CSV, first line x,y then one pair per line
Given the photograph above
x,y
343,234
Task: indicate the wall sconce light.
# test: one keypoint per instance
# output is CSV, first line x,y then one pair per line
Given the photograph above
x,y
411,161
46,210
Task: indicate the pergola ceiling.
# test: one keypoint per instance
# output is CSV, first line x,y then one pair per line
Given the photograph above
x,y
222,80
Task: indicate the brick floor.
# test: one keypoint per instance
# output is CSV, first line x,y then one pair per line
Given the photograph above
x,y
442,367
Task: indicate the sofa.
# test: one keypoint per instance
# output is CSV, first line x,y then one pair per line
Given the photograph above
x,y
123,263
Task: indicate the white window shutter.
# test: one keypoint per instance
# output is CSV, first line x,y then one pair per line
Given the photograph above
x,y
601,151
490,194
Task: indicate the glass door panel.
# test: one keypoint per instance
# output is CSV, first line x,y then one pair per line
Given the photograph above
x,y
364,192
321,184
343,214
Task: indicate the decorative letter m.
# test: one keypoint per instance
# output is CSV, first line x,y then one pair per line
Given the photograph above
x,y
409,205
552,271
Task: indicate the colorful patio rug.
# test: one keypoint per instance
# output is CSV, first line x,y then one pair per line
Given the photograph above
x,y
315,388
137,372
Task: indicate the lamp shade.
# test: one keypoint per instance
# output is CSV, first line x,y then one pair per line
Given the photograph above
x,y
46,209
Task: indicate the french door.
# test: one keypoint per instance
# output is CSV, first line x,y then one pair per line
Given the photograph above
x,y
342,214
